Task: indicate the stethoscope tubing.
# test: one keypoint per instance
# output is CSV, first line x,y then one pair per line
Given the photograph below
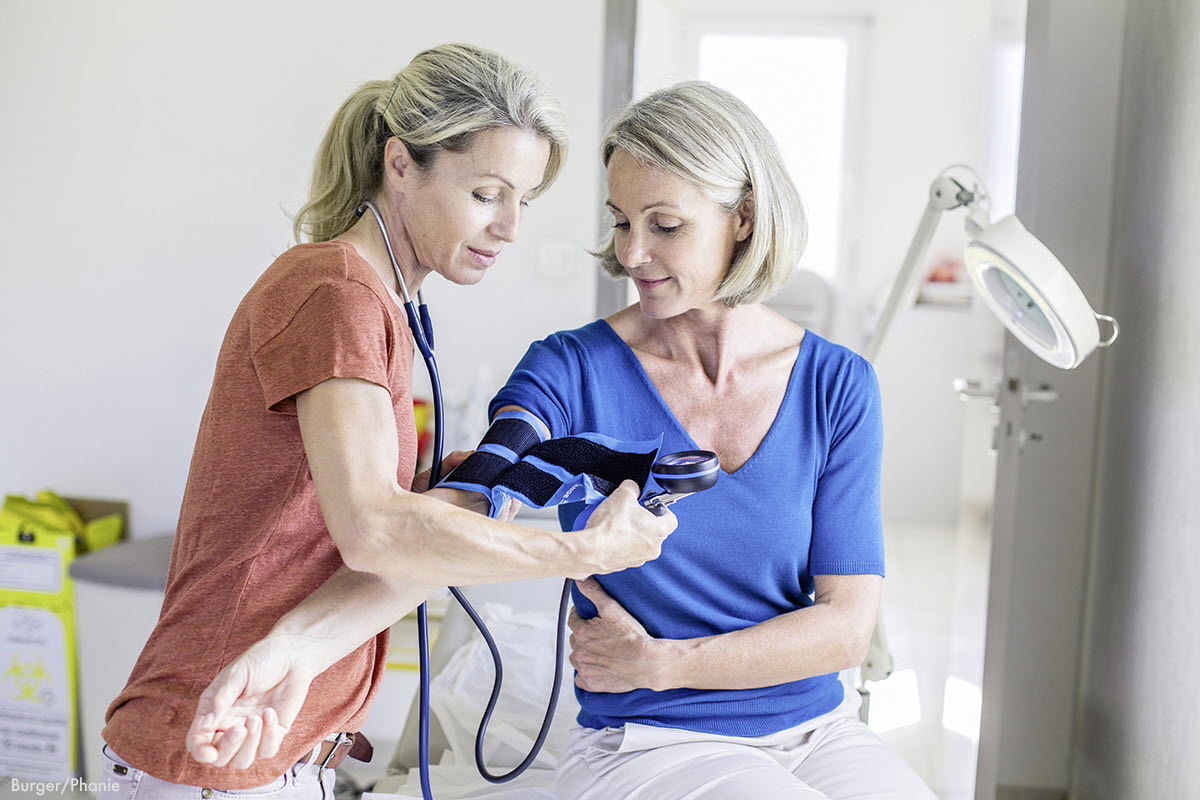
x,y
421,325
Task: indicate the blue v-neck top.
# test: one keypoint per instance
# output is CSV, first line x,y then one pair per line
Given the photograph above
x,y
805,503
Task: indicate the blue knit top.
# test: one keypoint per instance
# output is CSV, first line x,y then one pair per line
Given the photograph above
x,y
805,503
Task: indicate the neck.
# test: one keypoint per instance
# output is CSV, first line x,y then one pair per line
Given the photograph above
x,y
715,338
368,240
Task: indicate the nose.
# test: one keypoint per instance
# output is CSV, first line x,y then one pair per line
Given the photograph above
x,y
507,224
632,249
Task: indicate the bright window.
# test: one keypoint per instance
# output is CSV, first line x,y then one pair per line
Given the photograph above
x,y
810,73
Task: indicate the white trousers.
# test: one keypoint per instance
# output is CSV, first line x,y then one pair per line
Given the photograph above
x,y
832,757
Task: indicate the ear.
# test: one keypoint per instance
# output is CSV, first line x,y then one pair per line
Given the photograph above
x,y
398,166
745,215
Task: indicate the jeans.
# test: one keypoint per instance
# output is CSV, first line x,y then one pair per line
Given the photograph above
x,y
301,782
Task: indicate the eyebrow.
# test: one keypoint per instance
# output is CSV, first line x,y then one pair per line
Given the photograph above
x,y
656,203
500,178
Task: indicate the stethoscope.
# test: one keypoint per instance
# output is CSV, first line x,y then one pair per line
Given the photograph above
x,y
678,474
422,330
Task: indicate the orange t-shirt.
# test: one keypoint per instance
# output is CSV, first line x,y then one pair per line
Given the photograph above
x,y
252,543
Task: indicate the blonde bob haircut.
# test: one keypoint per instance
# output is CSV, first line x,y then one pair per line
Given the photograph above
x,y
709,138
439,102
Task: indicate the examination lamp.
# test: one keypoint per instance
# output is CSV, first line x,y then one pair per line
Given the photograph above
x,y
1019,279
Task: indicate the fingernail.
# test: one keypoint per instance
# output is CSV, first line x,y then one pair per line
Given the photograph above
x,y
207,720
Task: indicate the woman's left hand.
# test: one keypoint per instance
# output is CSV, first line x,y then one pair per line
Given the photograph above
x,y
612,652
420,483
461,497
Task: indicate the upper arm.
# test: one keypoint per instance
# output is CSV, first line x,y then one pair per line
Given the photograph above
x,y
349,430
546,383
847,526
340,330
544,429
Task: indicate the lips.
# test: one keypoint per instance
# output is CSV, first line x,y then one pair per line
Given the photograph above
x,y
484,258
650,284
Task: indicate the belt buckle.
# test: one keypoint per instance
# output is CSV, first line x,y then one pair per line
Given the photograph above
x,y
346,739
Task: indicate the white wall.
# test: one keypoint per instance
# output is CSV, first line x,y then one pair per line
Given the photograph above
x,y
926,79
148,154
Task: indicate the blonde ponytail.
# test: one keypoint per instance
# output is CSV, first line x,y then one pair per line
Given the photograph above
x,y
440,101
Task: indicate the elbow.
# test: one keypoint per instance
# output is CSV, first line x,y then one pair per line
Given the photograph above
x,y
856,650
359,557
381,556
357,547
855,642
365,541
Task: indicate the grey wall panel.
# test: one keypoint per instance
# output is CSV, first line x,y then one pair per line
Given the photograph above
x,y
1140,709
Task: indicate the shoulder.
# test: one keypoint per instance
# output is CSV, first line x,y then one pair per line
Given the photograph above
x,y
330,273
301,270
836,358
839,374
587,341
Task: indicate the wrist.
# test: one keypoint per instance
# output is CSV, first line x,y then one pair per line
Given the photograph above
x,y
668,660
313,646
578,554
307,656
471,501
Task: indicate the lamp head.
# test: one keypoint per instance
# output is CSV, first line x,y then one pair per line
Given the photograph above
x,y
1032,293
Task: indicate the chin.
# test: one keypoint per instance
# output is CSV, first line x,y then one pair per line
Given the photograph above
x,y
656,309
468,277
463,274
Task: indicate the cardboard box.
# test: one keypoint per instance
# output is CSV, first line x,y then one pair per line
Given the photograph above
x,y
38,669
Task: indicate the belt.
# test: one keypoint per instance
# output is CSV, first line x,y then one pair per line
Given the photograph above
x,y
332,752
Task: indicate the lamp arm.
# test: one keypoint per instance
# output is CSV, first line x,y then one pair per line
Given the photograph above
x,y
944,194
899,298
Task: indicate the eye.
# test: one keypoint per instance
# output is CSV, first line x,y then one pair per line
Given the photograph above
x,y
483,198
669,230
622,225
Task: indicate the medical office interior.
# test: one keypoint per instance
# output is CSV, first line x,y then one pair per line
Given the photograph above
x,y
1041,524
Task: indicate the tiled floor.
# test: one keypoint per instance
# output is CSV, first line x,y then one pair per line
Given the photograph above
x,y
934,610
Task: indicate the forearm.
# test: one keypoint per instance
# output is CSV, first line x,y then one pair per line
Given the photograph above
x,y
428,538
801,644
345,611
351,607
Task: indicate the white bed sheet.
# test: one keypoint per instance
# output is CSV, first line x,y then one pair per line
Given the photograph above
x,y
459,694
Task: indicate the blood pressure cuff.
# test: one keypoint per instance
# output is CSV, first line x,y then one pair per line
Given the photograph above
x,y
516,460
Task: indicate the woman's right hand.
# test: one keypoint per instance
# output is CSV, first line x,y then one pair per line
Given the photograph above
x,y
621,533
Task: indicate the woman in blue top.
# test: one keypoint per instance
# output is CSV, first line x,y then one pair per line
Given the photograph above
x,y
712,671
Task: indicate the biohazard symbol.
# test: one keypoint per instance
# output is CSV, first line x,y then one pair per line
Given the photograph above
x,y
27,678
